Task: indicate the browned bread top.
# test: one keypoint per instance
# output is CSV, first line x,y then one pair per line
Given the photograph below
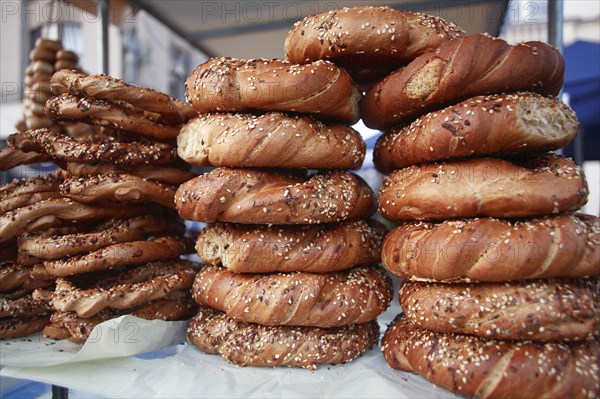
x,y
319,88
499,123
484,187
369,42
490,249
253,196
459,69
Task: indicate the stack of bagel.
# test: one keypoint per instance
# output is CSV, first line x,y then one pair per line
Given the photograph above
x,y
292,275
501,291
99,238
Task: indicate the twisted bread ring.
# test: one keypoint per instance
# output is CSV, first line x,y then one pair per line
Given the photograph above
x,y
316,249
261,197
107,88
23,192
474,366
126,289
247,344
65,148
162,174
13,275
12,157
23,307
325,300
123,188
13,327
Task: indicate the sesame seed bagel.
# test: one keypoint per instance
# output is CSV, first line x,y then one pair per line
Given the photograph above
x,y
248,344
316,249
484,187
538,310
228,84
252,196
485,368
459,69
369,42
325,300
272,140
490,249
482,125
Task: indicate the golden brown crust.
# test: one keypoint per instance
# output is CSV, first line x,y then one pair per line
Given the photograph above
x,y
315,249
14,328
229,84
489,249
13,275
462,68
259,197
107,88
538,310
22,307
247,344
271,140
162,174
482,125
326,300
13,157
484,187
473,366
369,42
64,148
27,191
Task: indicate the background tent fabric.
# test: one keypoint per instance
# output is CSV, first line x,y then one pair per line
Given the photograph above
x,y
582,84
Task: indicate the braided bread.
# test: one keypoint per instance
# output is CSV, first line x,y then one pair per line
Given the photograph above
x,y
260,197
539,310
369,42
333,299
484,187
247,344
459,69
495,250
269,140
316,249
500,123
473,366
319,88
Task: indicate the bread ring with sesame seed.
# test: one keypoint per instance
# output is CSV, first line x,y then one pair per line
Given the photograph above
x,y
459,69
23,307
248,344
484,187
272,140
538,310
171,175
315,249
497,250
64,148
252,196
484,368
124,188
320,88
368,42
18,327
27,191
483,125
124,289
334,299
13,275
13,157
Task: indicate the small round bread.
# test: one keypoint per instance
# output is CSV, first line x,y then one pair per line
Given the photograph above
x,y
319,88
272,140
482,125
63,64
539,310
325,300
107,88
117,255
125,289
484,187
103,113
42,54
490,249
484,368
43,67
459,69
368,42
316,249
248,344
259,197
117,187
66,55
17,327
65,148
48,44
162,174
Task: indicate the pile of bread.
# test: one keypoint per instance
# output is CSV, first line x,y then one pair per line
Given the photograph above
x,y
99,237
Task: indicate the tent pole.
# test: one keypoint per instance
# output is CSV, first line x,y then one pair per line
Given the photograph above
x,y
103,10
